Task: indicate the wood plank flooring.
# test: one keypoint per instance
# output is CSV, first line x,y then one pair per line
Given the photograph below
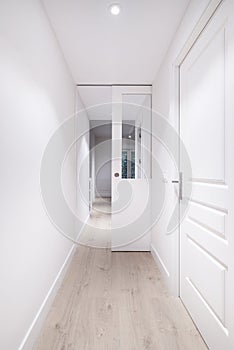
x,y
97,232
115,301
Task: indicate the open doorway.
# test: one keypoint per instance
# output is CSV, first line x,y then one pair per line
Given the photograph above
x,y
100,179
119,167
100,161
97,102
97,232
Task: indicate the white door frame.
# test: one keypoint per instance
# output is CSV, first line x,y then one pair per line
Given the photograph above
x,y
175,103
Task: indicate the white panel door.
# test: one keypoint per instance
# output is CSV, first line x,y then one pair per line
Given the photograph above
x,y
131,175
207,130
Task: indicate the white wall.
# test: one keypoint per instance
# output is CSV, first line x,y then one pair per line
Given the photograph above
x,y
128,144
37,94
92,165
146,136
164,246
103,167
83,167
78,155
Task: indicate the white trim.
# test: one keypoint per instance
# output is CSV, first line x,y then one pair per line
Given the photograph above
x,y
201,24
175,112
160,263
35,327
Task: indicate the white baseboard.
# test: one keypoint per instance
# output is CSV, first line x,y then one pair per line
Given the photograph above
x,y
159,262
35,328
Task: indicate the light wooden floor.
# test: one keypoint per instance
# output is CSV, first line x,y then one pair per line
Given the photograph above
x,y
97,233
116,301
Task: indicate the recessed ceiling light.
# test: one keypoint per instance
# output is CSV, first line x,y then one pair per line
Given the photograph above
x,y
114,9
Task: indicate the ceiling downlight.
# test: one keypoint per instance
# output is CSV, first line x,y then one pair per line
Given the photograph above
x,y
115,9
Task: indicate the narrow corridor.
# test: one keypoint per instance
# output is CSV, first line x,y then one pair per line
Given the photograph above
x,y
117,190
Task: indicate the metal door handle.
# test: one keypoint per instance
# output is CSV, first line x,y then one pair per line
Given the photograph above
x,y
180,181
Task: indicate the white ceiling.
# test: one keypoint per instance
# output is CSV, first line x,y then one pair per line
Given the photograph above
x,y
101,48
97,101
